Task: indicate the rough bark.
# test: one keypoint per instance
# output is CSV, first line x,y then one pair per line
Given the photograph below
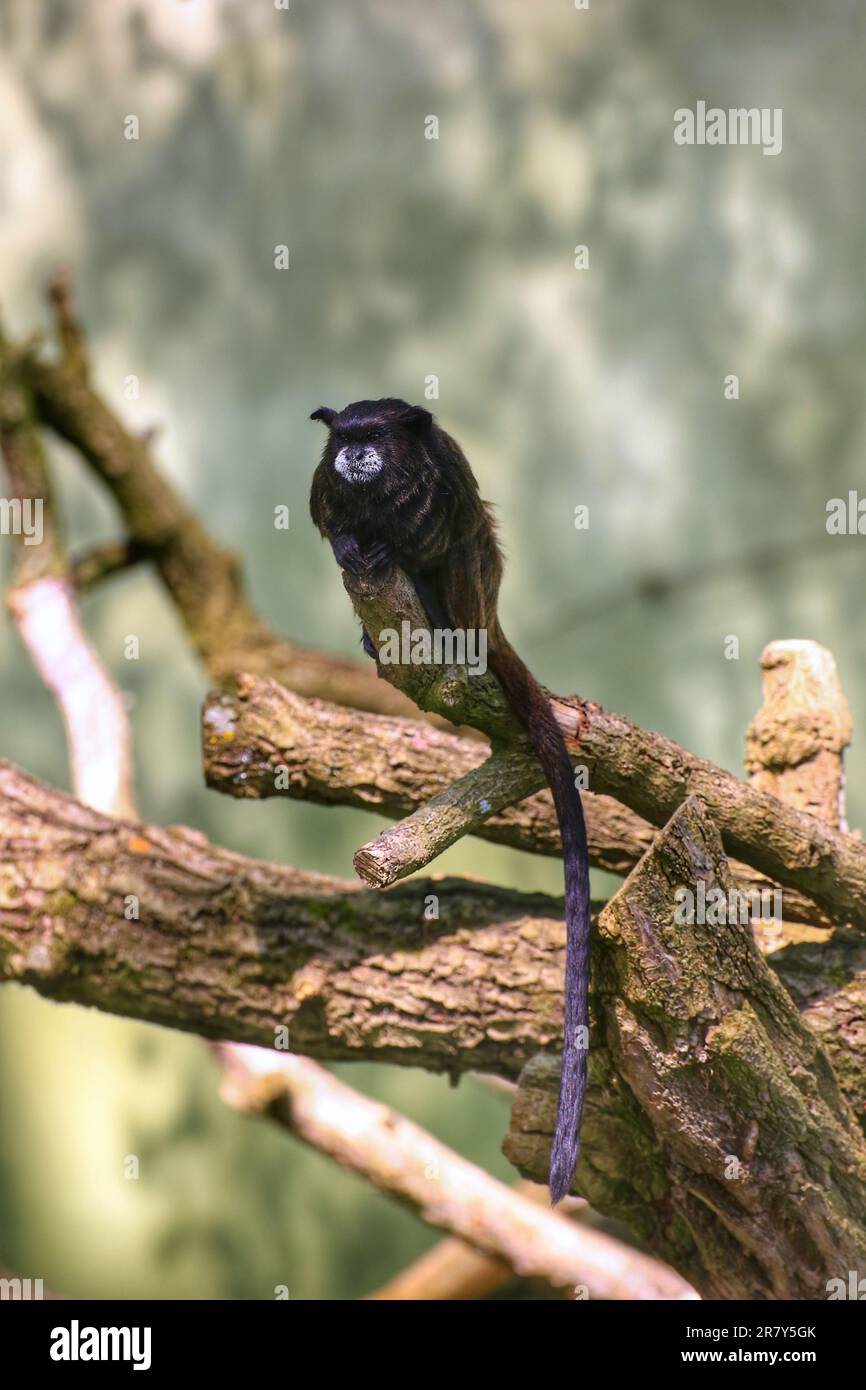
x,y
723,1136
827,982
795,749
796,743
232,948
645,771
260,740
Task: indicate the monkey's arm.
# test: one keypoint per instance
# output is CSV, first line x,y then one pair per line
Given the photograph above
x,y
339,530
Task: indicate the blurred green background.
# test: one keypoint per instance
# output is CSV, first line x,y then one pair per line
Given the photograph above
x,y
413,258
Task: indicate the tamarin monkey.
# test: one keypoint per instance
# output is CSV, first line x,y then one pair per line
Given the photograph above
x,y
394,489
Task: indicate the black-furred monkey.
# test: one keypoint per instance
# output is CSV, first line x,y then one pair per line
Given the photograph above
x,y
394,488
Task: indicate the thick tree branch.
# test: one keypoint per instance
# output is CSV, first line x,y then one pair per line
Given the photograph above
x,y
261,740
796,742
646,771
715,1124
795,748
232,949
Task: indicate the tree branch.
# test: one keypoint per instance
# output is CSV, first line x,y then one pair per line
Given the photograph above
x,y
261,740
102,561
448,1192
715,1125
231,948
42,603
693,1034
645,771
202,577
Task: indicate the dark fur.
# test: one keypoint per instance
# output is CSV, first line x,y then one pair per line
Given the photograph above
x,y
423,513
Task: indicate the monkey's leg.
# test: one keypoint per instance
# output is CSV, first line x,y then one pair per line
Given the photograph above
x,y
367,644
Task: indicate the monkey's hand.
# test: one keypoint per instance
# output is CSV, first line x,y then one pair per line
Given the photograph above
x,y
378,558
362,563
347,554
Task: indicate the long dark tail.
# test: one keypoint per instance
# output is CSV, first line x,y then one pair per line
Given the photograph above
x,y
532,707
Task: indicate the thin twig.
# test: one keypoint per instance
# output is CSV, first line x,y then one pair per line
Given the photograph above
x,y
448,1192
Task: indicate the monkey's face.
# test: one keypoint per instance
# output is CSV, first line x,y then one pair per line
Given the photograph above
x,y
372,440
359,462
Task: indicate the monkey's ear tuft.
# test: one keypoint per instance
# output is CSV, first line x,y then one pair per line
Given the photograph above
x,y
417,418
325,413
